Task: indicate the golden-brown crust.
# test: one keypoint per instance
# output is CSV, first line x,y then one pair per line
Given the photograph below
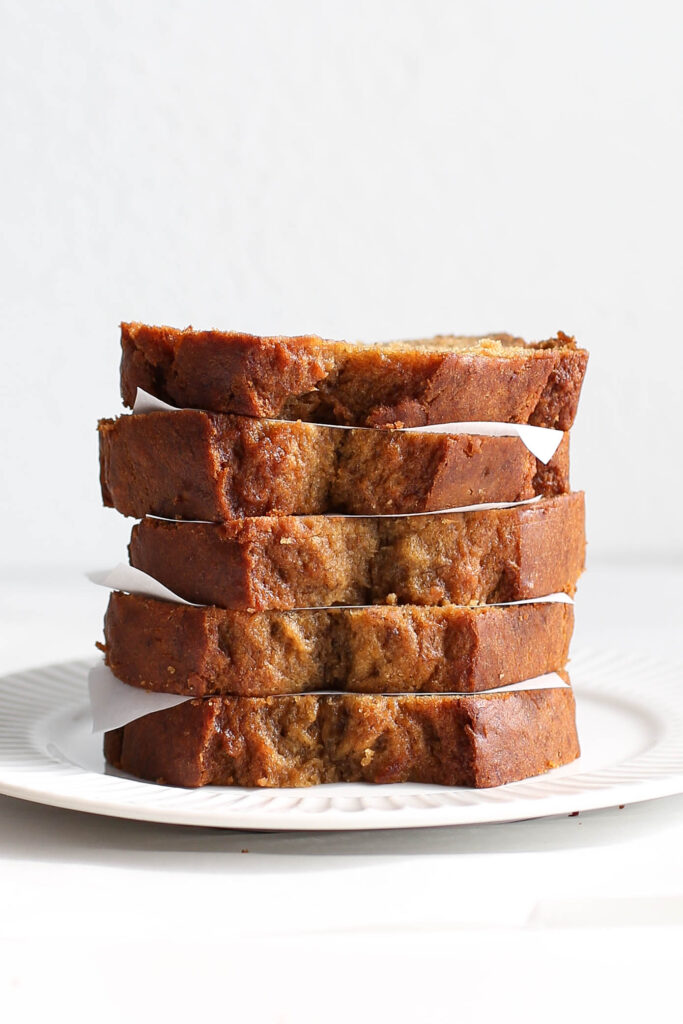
x,y
480,741
309,378
478,557
196,465
174,648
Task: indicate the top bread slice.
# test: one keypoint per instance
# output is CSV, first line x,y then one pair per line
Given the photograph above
x,y
440,380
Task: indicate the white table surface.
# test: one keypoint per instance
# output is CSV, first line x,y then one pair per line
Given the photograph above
x,y
98,916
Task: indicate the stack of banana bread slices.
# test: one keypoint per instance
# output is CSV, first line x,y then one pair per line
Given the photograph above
x,y
337,619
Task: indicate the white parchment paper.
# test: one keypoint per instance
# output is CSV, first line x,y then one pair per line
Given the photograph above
x,y
542,442
115,704
134,581
484,507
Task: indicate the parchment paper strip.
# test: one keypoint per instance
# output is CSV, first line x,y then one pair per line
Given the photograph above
x,y
542,442
114,704
484,507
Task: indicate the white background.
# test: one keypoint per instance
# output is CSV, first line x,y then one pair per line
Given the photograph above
x,y
355,169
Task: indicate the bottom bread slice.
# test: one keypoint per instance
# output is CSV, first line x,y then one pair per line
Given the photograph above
x,y
302,740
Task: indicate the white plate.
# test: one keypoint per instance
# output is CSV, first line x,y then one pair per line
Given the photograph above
x,y
630,719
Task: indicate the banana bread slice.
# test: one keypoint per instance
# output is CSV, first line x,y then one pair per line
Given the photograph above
x,y
196,465
442,380
270,562
176,648
482,740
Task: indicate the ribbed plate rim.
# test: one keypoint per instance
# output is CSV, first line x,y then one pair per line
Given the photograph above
x,y
30,700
